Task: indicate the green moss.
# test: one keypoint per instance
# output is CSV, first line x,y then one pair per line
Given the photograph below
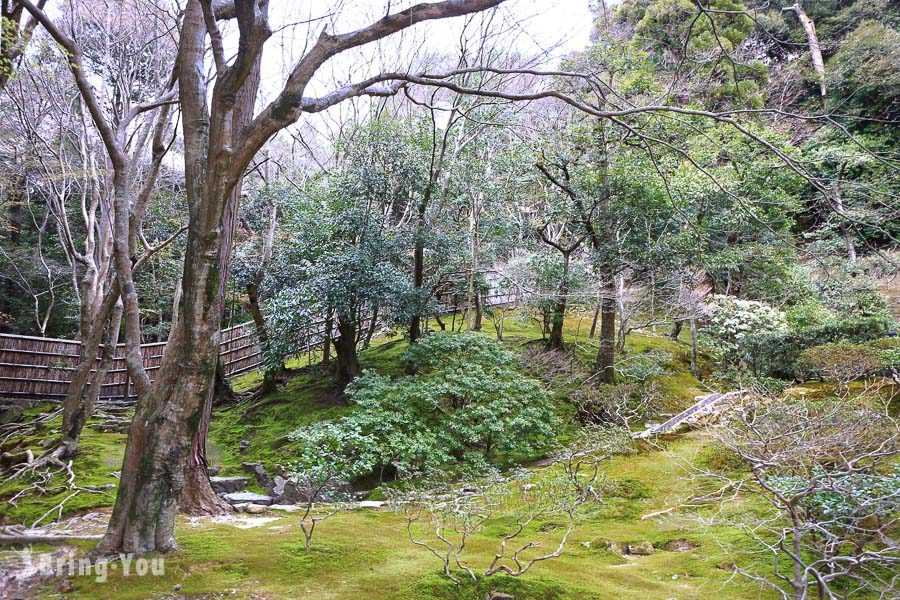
x,y
99,456
436,587
367,554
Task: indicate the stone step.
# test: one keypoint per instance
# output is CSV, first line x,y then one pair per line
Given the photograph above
x,y
228,485
247,497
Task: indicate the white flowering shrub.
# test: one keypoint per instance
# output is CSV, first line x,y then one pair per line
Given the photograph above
x,y
730,319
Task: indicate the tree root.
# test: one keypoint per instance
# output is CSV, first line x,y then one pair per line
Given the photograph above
x,y
22,430
42,470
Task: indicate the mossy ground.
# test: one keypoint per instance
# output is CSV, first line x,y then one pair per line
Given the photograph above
x,y
367,554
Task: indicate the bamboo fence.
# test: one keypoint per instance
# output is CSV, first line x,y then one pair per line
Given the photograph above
x,y
42,367
39,367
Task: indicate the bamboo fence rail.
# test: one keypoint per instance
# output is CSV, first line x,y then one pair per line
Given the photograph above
x,y
35,367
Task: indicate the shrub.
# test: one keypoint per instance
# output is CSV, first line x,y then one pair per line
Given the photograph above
x,y
730,320
855,298
467,402
889,349
808,314
841,362
621,405
643,366
776,355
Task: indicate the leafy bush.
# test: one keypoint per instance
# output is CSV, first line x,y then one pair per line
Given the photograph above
x,y
730,320
842,362
467,402
854,298
445,350
776,355
808,314
889,349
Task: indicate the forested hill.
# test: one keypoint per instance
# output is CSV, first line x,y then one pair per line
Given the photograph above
x,y
830,57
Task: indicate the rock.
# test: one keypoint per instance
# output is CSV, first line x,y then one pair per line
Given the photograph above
x,y
256,509
241,507
243,445
259,472
680,546
228,485
278,486
284,491
247,497
641,549
499,596
177,587
606,544
112,426
285,507
336,491
371,504
10,413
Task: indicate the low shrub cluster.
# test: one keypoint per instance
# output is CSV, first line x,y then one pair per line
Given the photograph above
x,y
777,354
468,402
841,362
731,320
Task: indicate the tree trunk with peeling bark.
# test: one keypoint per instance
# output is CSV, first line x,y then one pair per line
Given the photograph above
x,y
198,497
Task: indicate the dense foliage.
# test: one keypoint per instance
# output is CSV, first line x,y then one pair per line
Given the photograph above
x,y
468,402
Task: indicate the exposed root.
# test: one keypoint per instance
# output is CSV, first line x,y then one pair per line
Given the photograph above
x,y
42,471
17,535
9,431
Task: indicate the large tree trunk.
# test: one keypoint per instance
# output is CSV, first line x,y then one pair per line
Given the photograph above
x,y
347,363
606,355
166,419
198,497
169,412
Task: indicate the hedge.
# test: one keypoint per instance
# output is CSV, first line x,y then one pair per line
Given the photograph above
x,y
776,354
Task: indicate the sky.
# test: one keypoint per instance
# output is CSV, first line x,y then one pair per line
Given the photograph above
x,y
550,28
529,27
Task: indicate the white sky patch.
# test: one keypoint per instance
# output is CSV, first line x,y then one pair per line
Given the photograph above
x,y
549,29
